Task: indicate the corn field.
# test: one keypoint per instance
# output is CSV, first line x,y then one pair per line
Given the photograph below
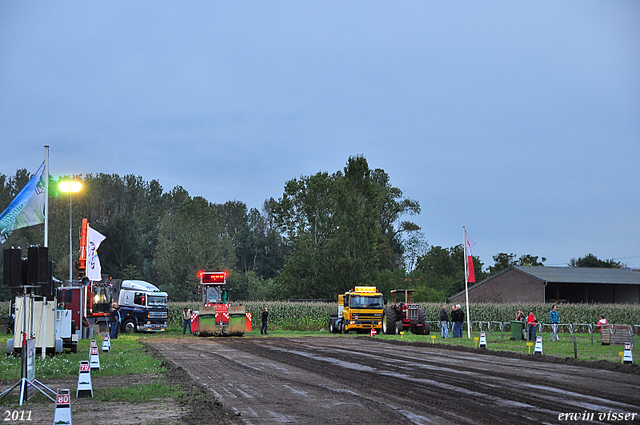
x,y
301,316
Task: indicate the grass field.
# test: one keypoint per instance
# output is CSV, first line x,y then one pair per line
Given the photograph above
x,y
126,358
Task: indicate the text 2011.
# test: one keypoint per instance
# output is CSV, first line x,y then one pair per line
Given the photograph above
x,y
17,415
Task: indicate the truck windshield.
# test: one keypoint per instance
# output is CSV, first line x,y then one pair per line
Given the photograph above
x,y
156,301
360,301
213,294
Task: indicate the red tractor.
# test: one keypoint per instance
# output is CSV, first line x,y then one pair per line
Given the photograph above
x,y
404,315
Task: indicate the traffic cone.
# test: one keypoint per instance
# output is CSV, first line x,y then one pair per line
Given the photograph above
x,y
84,380
538,347
373,331
483,340
62,414
627,357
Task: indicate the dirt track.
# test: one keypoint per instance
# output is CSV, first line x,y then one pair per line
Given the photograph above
x,y
357,380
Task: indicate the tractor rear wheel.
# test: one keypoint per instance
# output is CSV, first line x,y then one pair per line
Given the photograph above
x,y
422,320
389,321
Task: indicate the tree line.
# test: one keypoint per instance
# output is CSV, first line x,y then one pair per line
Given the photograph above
x,y
326,234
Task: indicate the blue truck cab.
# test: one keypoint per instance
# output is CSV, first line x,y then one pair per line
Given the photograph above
x,y
143,307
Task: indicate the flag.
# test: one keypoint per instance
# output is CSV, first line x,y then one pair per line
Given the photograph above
x,y
94,271
468,243
27,208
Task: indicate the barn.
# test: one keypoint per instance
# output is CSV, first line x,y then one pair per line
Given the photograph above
x,y
539,284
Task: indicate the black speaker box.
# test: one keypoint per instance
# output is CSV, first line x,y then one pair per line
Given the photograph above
x,y
12,275
38,270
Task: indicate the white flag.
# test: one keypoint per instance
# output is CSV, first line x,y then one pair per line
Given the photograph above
x,y
94,271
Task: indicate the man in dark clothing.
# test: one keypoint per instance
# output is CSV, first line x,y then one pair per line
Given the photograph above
x,y
265,316
114,321
454,318
458,321
444,322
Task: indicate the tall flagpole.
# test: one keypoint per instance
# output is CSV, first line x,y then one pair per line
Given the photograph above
x,y
46,244
46,196
466,277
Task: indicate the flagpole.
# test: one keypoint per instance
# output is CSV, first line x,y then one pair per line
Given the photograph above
x,y
466,284
46,196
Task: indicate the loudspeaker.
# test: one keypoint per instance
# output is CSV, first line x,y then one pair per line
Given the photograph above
x,y
47,288
38,270
12,275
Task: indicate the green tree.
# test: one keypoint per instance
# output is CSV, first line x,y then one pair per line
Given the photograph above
x,y
441,271
591,260
503,261
342,229
192,239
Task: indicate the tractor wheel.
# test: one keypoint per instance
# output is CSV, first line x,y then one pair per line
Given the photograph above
x,y
332,326
389,321
399,327
422,320
427,328
128,326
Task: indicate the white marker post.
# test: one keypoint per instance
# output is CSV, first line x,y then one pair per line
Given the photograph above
x,y
84,380
538,347
62,414
95,357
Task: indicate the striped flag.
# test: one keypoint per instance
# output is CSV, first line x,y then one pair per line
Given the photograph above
x,y
468,243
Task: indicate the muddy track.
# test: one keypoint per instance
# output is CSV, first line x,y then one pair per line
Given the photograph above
x,y
357,380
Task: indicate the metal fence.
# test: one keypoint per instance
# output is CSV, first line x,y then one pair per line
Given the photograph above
x,y
490,326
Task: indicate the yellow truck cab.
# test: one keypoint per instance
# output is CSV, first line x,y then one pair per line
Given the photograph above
x,y
360,310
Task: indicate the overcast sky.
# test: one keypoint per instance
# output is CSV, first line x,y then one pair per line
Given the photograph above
x,y
519,120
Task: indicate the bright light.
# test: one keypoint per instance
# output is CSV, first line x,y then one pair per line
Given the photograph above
x,y
70,186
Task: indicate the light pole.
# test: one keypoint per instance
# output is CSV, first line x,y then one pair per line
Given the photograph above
x,y
71,187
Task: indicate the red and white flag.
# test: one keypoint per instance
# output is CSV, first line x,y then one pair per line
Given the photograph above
x,y
468,243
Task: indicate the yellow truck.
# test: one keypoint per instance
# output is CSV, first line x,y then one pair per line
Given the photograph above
x,y
360,310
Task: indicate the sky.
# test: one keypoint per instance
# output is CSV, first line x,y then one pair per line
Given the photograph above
x,y
518,120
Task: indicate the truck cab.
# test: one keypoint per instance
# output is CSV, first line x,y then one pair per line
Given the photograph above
x,y
143,307
360,310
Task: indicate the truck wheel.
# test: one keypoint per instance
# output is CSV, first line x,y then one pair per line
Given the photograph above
x,y
128,326
389,321
74,348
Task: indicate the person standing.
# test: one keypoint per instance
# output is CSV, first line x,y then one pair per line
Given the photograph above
x,y
554,319
186,319
444,322
531,322
265,318
454,324
114,321
459,320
